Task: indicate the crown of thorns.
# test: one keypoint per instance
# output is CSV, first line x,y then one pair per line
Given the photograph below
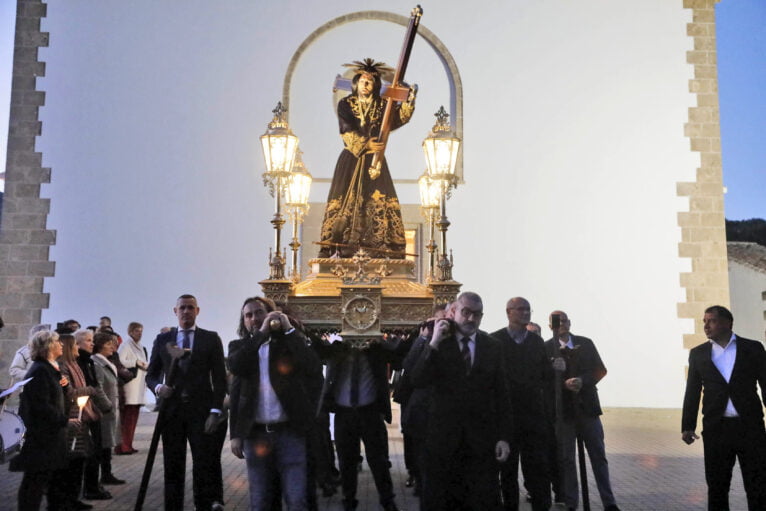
x,y
368,65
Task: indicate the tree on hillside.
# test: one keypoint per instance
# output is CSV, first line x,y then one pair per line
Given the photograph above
x,y
753,230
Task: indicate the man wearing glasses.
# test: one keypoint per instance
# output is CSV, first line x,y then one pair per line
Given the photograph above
x,y
579,410
470,418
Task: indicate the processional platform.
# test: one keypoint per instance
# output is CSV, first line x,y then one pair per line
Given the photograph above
x,y
361,296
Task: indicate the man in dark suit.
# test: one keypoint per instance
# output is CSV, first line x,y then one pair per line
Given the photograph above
x,y
469,423
356,389
194,407
278,381
528,371
728,367
579,409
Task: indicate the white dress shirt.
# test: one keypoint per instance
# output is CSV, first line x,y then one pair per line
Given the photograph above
x,y
723,359
269,410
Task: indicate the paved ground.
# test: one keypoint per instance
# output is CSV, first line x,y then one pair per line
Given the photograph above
x,y
651,470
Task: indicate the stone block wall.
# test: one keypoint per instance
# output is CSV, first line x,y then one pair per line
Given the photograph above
x,y
703,227
24,239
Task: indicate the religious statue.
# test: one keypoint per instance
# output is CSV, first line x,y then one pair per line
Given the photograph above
x,y
362,207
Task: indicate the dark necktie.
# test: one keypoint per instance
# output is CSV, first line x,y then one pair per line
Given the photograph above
x,y
185,340
466,352
355,378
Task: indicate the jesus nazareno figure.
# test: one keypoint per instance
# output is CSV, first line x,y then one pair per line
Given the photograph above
x,y
362,208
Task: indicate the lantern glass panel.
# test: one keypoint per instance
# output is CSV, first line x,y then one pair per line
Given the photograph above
x,y
298,188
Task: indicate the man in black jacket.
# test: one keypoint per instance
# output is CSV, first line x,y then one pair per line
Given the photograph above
x,y
193,403
356,389
728,367
469,422
278,379
527,371
579,411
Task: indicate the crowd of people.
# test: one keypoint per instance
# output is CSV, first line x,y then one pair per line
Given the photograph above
x,y
79,408
474,407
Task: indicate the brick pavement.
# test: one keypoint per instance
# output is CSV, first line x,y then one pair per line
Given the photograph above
x,y
651,469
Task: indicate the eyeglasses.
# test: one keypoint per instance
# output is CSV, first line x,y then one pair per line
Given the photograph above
x,y
467,313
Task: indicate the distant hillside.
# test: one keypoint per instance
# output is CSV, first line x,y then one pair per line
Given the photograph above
x,y
747,230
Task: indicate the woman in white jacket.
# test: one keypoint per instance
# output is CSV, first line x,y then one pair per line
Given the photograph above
x,y
135,358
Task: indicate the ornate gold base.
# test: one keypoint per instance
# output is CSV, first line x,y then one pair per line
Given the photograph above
x,y
331,292
397,276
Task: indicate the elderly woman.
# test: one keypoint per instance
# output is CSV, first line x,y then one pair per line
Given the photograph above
x,y
134,357
43,410
106,373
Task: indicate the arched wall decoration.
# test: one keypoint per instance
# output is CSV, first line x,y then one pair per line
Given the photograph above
x,y
453,75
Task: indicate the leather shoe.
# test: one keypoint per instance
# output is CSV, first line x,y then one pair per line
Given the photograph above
x,y
612,507
217,506
110,479
97,495
81,506
410,482
391,506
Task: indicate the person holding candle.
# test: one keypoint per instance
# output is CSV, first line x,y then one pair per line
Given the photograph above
x,y
43,410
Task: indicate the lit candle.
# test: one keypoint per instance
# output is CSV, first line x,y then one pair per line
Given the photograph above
x,y
81,402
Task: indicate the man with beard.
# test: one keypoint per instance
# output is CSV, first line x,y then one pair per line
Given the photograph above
x,y
277,382
470,418
580,410
362,207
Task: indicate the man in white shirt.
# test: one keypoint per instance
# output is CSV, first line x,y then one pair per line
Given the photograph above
x,y
728,367
274,399
192,403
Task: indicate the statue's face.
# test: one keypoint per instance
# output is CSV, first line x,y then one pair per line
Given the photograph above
x,y
365,85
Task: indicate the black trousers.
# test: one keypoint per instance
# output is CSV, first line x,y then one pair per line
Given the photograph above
x,y
33,487
365,424
727,440
65,485
93,462
460,479
531,448
187,424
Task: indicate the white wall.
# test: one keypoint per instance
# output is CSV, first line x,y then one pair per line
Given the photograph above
x,y
747,287
574,116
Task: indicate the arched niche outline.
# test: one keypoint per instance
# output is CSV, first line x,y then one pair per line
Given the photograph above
x,y
450,67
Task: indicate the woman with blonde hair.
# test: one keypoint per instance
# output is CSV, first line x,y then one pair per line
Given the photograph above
x,y
43,410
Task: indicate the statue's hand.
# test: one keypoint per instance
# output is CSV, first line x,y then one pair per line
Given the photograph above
x,y
374,146
412,94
